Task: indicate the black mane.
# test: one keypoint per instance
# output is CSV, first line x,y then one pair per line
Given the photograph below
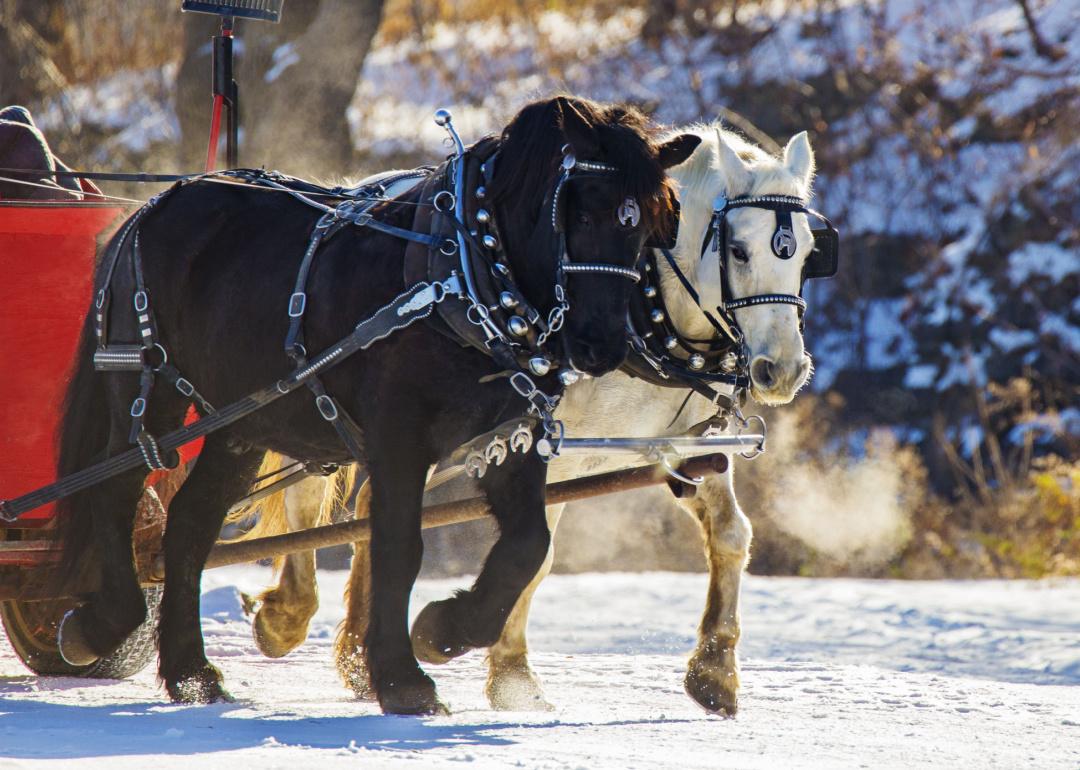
x,y
626,141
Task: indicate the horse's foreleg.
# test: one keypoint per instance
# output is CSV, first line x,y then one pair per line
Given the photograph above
x,y
712,677
221,476
397,488
476,618
511,684
281,624
349,644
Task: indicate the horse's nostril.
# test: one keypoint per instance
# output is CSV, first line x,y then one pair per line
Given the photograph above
x,y
763,371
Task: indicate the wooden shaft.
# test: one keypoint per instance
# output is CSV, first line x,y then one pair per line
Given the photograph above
x,y
450,513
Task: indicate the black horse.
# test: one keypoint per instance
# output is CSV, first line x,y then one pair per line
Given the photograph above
x,y
219,262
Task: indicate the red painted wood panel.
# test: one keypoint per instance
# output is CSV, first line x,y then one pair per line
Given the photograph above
x,y
46,264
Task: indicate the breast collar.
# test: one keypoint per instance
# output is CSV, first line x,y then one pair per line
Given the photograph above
x,y
494,316
662,355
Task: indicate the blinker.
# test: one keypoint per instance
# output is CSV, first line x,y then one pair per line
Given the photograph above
x,y
783,240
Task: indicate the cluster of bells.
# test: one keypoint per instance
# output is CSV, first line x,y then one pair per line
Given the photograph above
x,y
518,326
695,361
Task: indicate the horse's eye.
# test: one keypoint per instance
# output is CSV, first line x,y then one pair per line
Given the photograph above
x,y
583,219
739,255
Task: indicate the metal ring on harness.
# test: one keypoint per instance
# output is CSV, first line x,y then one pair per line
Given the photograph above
x,y
448,247
444,201
760,448
164,357
327,408
482,314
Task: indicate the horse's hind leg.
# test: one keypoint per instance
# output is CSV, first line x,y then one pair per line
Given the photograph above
x,y
281,624
511,683
221,476
712,678
96,628
101,531
476,618
349,644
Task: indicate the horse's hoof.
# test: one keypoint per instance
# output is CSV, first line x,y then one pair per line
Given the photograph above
x,y
432,632
710,693
272,640
416,698
516,689
202,687
72,643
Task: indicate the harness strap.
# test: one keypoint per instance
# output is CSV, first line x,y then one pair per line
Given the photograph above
x,y
294,339
407,308
722,325
347,429
172,376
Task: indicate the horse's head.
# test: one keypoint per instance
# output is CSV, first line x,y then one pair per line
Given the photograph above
x,y
580,188
758,256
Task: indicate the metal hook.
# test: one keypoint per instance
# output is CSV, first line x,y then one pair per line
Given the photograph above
x,y
692,481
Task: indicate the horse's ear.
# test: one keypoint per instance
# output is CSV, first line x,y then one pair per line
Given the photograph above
x,y
576,128
675,151
799,157
732,167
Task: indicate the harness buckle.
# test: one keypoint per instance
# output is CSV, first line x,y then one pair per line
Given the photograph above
x,y
327,407
522,384
297,304
138,407
141,301
184,386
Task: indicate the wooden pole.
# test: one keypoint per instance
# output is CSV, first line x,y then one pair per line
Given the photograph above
x,y
450,513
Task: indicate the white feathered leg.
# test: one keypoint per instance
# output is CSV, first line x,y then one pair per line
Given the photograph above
x,y
712,677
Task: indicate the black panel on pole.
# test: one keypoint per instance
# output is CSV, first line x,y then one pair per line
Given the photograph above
x,y
264,10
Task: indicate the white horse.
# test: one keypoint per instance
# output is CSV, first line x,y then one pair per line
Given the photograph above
x,y
723,165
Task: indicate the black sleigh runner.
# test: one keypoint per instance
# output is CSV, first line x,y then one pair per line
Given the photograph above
x,y
416,323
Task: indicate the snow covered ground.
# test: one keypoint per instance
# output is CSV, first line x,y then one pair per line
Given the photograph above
x,y
836,673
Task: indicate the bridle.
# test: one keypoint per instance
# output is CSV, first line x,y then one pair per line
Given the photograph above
x,y
662,355
821,263
509,322
574,168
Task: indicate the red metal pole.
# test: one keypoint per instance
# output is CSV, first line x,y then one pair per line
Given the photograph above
x,y
219,90
215,127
